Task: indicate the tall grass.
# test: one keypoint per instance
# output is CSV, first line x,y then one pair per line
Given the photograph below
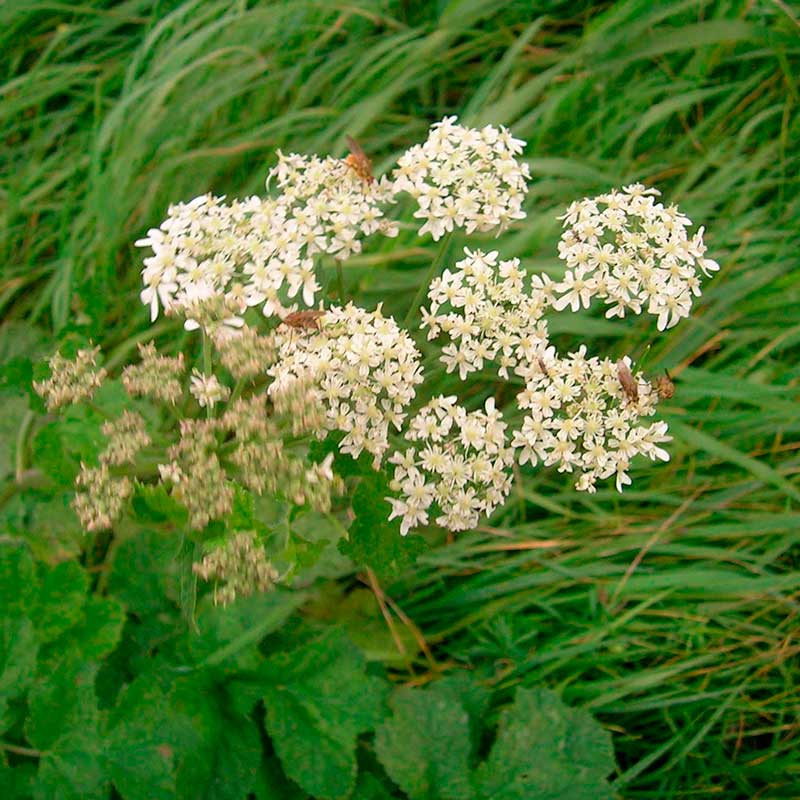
x,y
672,611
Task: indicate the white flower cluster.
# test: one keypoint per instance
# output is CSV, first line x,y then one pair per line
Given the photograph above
x,y
464,178
365,369
583,418
212,260
485,309
632,252
459,460
331,204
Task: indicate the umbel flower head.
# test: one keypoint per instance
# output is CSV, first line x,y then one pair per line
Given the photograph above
x,y
363,369
458,461
632,252
239,567
464,178
71,380
331,205
583,418
485,309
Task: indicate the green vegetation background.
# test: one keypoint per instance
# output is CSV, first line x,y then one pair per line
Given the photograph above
x,y
670,613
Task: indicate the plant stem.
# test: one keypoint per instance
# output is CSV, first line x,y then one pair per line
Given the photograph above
x,y
340,282
21,751
423,287
207,368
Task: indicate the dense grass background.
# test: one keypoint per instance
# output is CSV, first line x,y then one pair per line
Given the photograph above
x,y
670,612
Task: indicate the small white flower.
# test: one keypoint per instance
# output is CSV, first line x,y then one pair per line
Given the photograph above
x,y
207,389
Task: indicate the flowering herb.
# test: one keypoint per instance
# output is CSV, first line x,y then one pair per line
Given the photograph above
x,y
270,384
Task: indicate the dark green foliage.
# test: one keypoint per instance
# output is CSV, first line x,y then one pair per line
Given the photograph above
x,y
373,540
247,700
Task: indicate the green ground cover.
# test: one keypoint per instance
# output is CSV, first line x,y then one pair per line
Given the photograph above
x,y
669,612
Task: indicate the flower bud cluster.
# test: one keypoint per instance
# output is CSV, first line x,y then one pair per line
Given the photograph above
x,y
458,460
246,355
485,309
265,464
71,380
198,479
331,204
126,436
240,565
364,369
103,499
464,178
157,377
584,415
632,252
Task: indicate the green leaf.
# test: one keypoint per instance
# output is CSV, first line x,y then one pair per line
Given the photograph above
x,y
229,636
17,578
96,634
318,699
176,737
142,742
60,703
546,750
373,541
74,770
425,746
144,572
272,784
64,723
156,504
47,522
236,757
62,594
18,649
14,408
371,787
17,782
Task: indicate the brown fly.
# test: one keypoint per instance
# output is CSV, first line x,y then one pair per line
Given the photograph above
x,y
627,381
358,161
303,320
664,386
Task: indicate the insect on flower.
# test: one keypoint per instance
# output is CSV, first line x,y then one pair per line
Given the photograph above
x,y
358,161
303,320
627,381
665,387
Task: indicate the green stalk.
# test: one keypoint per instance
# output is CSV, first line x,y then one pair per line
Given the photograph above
x,y
207,367
423,287
340,282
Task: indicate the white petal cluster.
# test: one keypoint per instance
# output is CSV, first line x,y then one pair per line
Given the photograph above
x,y
633,252
581,418
483,306
365,369
464,178
459,462
331,204
212,260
